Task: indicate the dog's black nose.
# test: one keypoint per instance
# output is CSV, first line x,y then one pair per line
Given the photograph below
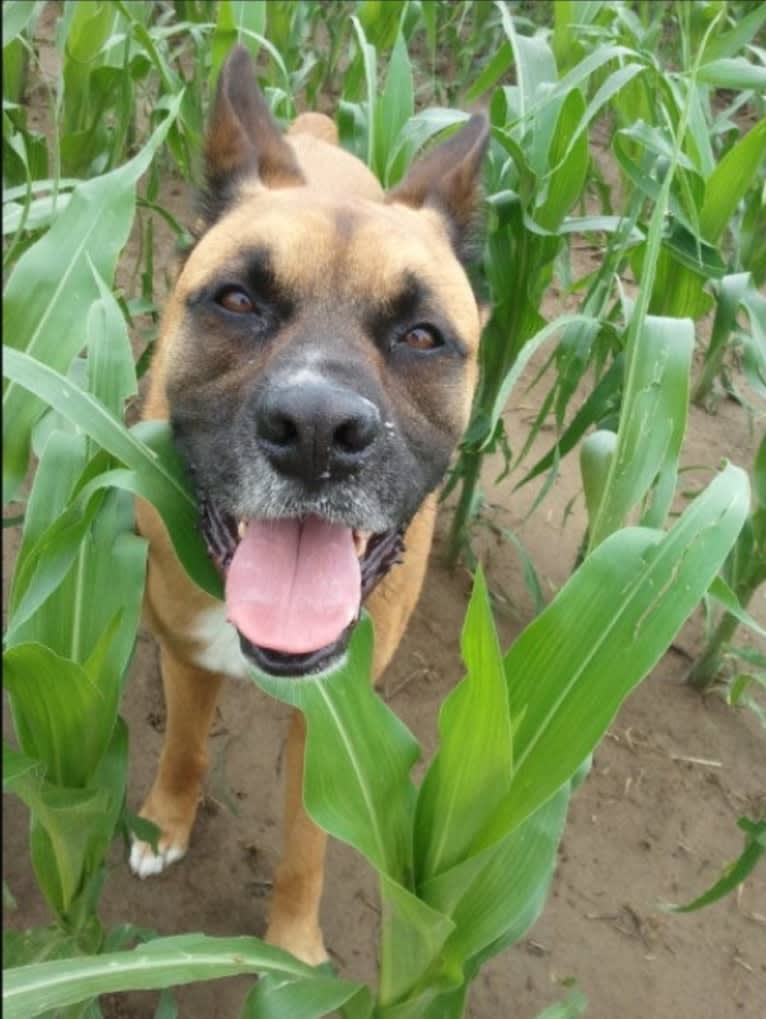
x,y
316,431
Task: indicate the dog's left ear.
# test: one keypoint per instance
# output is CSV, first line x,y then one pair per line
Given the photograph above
x,y
242,138
448,178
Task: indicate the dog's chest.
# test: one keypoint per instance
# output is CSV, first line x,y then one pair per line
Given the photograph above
x,y
219,644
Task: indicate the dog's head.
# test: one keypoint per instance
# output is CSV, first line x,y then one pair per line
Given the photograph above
x,y
319,357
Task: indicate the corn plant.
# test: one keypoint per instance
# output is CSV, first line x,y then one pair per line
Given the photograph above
x,y
541,169
743,573
735,873
465,858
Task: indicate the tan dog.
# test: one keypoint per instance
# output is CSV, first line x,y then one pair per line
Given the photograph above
x,y
317,362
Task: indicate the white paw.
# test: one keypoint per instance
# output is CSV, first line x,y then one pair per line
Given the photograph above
x,y
145,862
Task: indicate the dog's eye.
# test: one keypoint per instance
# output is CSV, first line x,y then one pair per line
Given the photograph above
x,y
422,337
235,299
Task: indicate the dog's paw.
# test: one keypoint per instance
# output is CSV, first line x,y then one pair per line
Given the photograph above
x,y
144,862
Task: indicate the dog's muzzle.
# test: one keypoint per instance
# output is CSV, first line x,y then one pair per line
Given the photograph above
x,y
297,575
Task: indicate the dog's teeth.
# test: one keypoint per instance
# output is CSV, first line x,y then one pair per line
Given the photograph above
x,y
241,528
361,539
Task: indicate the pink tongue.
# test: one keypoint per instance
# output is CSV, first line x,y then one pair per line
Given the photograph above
x,y
293,585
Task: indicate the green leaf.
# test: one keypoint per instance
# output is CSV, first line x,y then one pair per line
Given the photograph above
x,y
50,290
471,771
533,57
571,1007
111,373
727,184
491,74
357,787
596,455
361,792
569,157
724,595
495,897
395,107
572,667
164,962
66,825
44,564
413,136
156,470
731,294
16,765
527,351
237,21
287,997
62,717
603,400
652,425
734,72
17,14
735,873
759,473
727,44
413,937
369,62
43,561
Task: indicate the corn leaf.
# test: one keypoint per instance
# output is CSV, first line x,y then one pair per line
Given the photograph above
x,y
652,423
62,717
17,14
533,59
413,136
395,107
726,44
732,72
731,293
529,349
72,827
157,472
569,157
369,63
494,897
287,997
596,455
571,1007
413,938
50,290
363,794
727,184
604,400
736,872
471,773
365,797
164,962
614,619
37,572
723,594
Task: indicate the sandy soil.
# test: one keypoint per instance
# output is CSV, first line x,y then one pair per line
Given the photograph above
x,y
654,822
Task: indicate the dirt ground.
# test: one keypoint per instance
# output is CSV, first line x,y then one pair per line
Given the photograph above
x,y
654,822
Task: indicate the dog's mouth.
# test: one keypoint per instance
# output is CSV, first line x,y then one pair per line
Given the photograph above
x,y
295,586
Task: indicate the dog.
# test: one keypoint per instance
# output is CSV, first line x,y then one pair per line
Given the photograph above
x,y
317,362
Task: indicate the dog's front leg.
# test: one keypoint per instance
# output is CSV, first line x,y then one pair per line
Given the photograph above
x,y
190,699
294,919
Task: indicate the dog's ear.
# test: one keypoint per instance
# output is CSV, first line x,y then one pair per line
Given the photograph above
x,y
448,178
242,138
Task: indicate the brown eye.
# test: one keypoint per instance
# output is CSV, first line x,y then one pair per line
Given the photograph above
x,y
422,338
236,300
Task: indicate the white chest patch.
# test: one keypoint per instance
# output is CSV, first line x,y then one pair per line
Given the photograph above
x,y
220,651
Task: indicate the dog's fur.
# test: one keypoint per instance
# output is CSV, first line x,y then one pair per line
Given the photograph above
x,y
342,272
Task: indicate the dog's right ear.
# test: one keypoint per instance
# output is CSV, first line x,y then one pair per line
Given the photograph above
x,y
242,137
